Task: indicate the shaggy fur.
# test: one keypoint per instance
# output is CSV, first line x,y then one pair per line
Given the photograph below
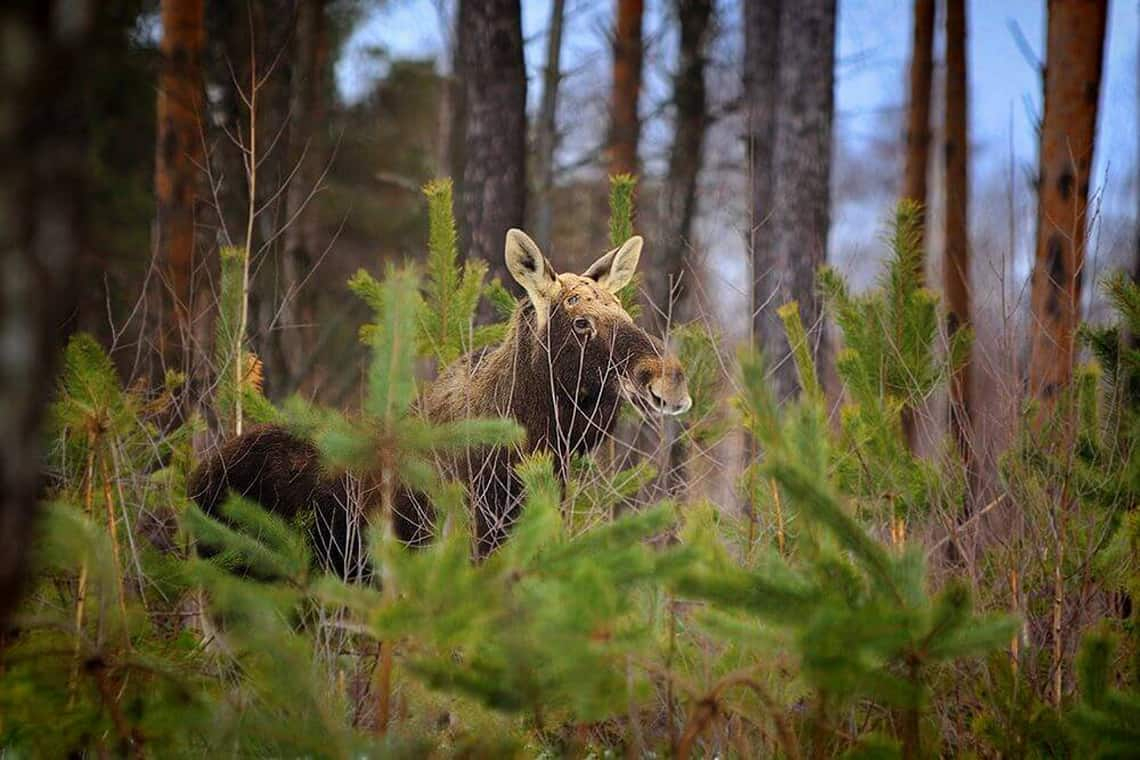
x,y
570,354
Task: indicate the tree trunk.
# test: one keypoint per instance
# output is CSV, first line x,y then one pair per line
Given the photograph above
x,y
761,71
918,144
625,124
956,266
43,150
1074,58
546,132
307,157
493,195
918,104
802,161
178,161
670,279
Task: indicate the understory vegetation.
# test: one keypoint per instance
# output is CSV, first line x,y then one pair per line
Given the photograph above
x,y
849,609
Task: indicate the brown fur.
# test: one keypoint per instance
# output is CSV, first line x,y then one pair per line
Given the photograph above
x,y
570,354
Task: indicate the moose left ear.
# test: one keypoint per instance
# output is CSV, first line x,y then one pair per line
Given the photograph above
x,y
614,270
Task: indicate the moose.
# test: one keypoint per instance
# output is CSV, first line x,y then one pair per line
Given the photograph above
x,y
571,353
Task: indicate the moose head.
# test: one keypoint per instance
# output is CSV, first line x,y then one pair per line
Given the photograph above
x,y
592,344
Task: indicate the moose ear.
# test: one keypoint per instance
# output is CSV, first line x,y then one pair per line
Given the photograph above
x,y
614,270
531,270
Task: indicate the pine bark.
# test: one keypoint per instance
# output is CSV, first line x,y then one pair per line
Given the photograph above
x,y
493,194
956,266
670,279
918,103
761,71
625,97
178,161
43,151
802,161
1074,63
546,131
307,161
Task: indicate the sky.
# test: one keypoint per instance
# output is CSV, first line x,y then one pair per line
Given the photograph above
x,y
1006,40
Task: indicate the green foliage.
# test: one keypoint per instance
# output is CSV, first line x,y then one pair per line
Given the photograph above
x,y
890,361
861,622
452,286
1106,722
623,193
794,629
229,351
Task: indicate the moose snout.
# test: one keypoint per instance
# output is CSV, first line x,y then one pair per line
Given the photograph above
x,y
670,395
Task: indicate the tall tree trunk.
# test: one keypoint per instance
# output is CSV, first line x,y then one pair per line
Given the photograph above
x,y
546,131
802,160
493,195
307,159
275,35
1074,61
625,124
918,103
918,143
43,149
956,266
178,161
761,71
669,281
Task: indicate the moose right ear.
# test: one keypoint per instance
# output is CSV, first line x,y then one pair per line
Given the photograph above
x,y
531,270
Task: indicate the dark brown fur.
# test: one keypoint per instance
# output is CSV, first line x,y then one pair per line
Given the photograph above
x,y
569,356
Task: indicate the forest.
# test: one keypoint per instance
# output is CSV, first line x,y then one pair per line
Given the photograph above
x,y
570,378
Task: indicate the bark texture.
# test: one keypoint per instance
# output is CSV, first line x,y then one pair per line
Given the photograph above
x,y
178,161
956,266
761,71
670,280
918,103
625,124
493,193
43,146
1074,62
802,161
546,131
307,161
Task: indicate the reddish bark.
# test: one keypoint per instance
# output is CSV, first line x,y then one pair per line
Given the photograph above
x,y
1074,62
177,162
956,266
625,125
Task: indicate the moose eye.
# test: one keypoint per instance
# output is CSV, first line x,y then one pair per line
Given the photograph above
x,y
582,325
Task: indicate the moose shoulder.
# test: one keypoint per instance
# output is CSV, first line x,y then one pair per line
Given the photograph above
x,y
570,355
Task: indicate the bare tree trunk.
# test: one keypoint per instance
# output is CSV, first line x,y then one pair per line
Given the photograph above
x,y
802,160
178,161
918,103
918,143
307,159
493,195
669,280
43,149
625,123
761,72
1074,60
956,265
546,132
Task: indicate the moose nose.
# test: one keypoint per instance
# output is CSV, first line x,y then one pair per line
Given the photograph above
x,y
667,402
685,405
